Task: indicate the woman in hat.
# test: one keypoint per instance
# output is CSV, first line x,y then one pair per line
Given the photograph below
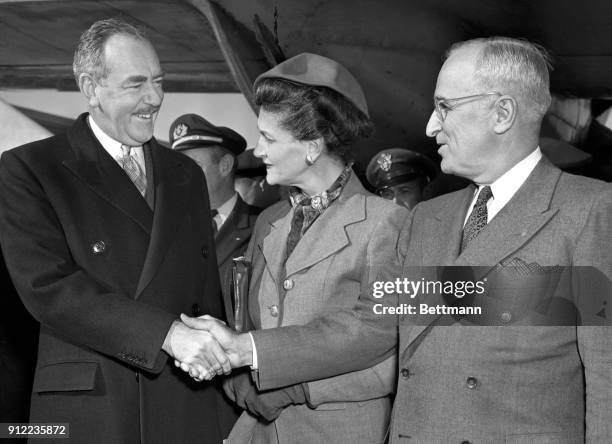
x,y
311,254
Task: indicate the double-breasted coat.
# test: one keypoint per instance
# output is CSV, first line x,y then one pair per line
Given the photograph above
x,y
481,384
106,275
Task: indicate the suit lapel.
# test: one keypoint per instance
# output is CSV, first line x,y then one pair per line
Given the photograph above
x,y
172,195
442,237
273,244
522,217
328,235
101,173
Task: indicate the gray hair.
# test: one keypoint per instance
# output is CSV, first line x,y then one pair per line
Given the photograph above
x,y
89,54
513,65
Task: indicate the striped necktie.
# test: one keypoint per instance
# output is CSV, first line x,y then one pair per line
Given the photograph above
x,y
130,166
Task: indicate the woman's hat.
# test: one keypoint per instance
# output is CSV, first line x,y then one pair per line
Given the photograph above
x,y
316,70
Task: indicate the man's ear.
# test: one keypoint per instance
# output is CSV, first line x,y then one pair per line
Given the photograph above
x,y
226,164
88,86
505,114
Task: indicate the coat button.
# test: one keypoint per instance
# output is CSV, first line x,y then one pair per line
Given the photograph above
x,y
98,247
471,383
288,284
205,251
195,310
505,317
274,310
405,373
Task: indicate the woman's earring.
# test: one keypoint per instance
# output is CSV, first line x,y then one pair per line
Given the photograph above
x,y
309,160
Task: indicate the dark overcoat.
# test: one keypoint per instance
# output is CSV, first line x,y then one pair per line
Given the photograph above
x,y
106,275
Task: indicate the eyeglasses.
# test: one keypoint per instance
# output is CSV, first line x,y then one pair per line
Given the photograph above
x,y
443,106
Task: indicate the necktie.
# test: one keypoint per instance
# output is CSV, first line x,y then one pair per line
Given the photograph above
x,y
132,169
478,218
213,214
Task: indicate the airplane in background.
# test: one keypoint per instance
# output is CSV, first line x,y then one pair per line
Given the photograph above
x,y
393,47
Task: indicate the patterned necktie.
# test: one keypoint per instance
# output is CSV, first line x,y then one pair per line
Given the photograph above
x,y
478,218
213,214
132,169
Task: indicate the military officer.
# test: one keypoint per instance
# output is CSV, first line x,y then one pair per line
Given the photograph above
x,y
400,175
215,150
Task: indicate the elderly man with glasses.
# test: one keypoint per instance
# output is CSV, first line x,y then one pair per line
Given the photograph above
x,y
533,368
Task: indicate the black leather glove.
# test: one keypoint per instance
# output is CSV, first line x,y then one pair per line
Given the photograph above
x,y
268,404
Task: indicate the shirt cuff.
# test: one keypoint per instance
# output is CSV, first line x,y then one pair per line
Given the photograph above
x,y
254,365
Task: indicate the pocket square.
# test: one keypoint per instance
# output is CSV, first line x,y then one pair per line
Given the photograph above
x,y
523,268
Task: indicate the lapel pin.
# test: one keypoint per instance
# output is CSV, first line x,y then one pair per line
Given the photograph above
x,y
98,247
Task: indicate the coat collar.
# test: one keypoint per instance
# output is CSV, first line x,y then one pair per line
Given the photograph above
x,y
104,176
514,225
101,173
274,239
173,193
325,237
517,222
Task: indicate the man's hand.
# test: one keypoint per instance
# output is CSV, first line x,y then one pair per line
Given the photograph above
x,y
237,347
196,352
268,404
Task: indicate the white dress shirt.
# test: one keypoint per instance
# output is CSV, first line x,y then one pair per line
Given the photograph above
x,y
113,147
507,185
225,210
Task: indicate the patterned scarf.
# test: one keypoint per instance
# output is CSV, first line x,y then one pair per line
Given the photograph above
x,y
308,208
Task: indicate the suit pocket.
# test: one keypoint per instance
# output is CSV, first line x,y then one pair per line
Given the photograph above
x,y
331,406
66,377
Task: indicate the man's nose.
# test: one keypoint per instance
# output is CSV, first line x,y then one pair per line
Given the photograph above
x,y
433,125
154,94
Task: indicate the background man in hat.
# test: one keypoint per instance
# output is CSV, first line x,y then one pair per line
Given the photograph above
x,y
107,238
522,216
215,150
400,175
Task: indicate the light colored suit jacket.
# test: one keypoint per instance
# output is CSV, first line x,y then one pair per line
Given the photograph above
x,y
326,272
483,384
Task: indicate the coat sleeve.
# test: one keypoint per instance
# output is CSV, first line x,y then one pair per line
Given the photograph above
x,y
363,385
594,249
344,340
59,293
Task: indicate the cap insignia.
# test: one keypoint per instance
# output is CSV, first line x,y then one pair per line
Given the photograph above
x,y
180,130
384,161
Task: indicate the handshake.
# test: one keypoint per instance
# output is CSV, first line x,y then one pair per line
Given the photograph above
x,y
205,347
